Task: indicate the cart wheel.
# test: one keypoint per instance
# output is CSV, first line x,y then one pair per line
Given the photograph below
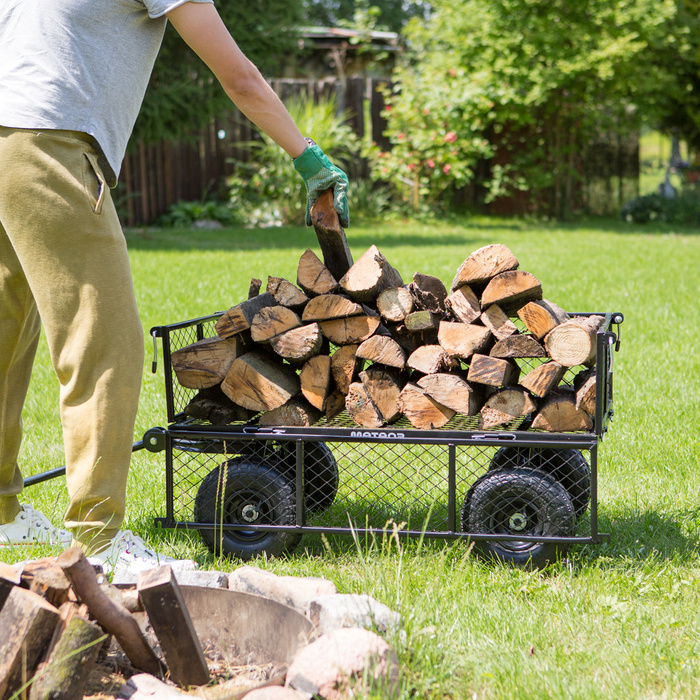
x,y
247,492
321,476
568,467
518,502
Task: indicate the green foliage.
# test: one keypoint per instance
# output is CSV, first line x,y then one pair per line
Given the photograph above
x,y
185,214
391,14
266,190
183,94
682,209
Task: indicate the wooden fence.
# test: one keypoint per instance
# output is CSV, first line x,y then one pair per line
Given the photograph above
x,y
154,176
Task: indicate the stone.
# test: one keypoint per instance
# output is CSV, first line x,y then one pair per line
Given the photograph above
x,y
144,686
204,579
293,591
346,661
329,613
274,692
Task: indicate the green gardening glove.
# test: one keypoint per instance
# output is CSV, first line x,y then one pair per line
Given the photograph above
x,y
319,174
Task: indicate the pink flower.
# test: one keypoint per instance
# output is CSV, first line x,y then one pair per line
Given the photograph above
x,y
452,72
426,110
401,136
450,137
411,166
446,169
431,163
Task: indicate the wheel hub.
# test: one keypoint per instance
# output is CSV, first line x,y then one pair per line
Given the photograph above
x,y
517,522
250,513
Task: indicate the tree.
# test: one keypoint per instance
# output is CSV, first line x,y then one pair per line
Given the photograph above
x,y
183,94
392,14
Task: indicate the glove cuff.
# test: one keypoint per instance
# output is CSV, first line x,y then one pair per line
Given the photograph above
x,y
309,162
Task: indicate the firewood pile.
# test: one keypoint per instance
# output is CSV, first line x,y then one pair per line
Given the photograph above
x,y
354,337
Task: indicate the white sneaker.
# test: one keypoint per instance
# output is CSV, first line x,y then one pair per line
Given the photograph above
x,y
32,527
128,552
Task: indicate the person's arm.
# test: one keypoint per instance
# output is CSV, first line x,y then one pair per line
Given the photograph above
x,y
201,27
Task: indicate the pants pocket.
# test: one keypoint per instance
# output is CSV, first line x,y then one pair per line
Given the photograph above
x,y
94,182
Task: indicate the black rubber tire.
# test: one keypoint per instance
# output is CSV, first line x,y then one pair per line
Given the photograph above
x,y
569,467
321,477
518,501
250,492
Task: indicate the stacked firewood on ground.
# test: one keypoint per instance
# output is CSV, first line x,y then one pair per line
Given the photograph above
x,y
352,336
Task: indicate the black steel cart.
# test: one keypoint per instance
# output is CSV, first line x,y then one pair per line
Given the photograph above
x,y
521,496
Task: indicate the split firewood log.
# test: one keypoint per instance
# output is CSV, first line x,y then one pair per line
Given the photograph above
x,y
46,578
259,383
272,321
313,276
430,359
369,276
574,342
361,408
497,321
420,321
428,292
239,317
492,371
213,406
350,331
483,264
463,304
296,412
543,378
331,237
10,576
335,404
344,367
585,387
254,287
542,316
517,346
394,304
421,409
511,290
286,293
317,381
383,386
410,341
463,339
299,344
558,414
383,350
505,406
329,306
205,363
452,391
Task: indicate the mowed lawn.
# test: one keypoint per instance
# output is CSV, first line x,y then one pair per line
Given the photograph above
x,y
620,620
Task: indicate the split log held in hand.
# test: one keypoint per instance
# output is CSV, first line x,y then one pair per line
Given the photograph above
x,y
331,237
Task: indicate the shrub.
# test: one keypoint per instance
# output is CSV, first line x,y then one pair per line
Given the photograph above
x,y
185,214
682,209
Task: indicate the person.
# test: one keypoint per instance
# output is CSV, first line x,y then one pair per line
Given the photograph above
x,y
73,74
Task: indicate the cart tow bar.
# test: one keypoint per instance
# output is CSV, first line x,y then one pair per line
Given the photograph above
x,y
153,440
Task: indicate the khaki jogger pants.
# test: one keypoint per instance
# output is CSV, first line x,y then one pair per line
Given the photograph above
x,y
63,260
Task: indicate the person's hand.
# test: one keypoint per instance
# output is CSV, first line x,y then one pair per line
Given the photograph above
x,y
319,174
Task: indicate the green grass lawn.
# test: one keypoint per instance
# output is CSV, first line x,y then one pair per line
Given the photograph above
x,y
609,621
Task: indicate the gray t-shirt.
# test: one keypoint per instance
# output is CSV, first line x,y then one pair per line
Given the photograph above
x,y
80,65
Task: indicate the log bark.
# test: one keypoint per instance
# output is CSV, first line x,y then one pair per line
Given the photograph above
x,y
497,321
27,622
286,293
452,391
344,367
114,618
317,381
329,306
394,304
483,264
10,576
492,371
420,321
214,406
558,414
383,386
313,276
239,317
517,346
258,383
296,412
331,236
511,290
271,322
167,612
383,350
431,359
361,408
463,339
541,316
585,387
422,410
543,379
428,292
504,406
299,344
350,331
254,287
205,363
574,342
464,305
369,276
